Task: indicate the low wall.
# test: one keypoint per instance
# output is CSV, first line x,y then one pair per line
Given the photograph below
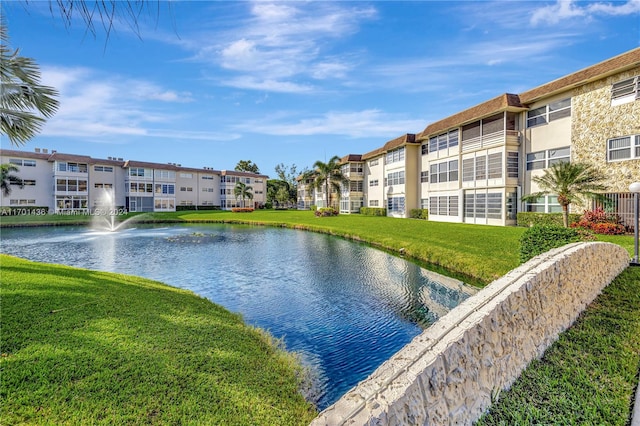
x,y
450,372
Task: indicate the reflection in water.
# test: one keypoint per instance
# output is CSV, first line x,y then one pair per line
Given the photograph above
x,y
344,307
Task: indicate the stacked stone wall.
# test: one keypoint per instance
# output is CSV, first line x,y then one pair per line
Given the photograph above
x,y
450,373
595,120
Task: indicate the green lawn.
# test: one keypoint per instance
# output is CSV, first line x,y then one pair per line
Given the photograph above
x,y
84,347
587,377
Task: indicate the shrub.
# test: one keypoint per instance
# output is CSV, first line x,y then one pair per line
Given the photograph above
x,y
189,208
242,210
326,211
268,205
601,222
313,207
548,219
542,238
419,214
373,211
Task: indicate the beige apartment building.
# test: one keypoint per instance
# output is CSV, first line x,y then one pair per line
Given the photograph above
x,y
474,166
75,184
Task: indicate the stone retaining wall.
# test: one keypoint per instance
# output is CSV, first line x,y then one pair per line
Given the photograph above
x,y
450,372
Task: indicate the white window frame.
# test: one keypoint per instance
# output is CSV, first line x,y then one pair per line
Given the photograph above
x,y
632,145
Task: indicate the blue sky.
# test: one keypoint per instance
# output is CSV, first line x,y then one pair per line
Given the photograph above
x,y
209,83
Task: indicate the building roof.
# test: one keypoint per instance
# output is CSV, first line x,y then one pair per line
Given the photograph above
x,y
350,158
24,154
504,102
237,173
408,138
627,60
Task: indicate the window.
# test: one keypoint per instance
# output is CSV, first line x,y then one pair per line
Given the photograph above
x,y
446,171
165,174
21,202
395,205
207,189
186,175
140,172
468,171
395,156
395,178
27,182
207,177
103,185
71,185
443,205
512,164
19,162
548,113
355,186
494,205
543,159
373,162
548,204
424,177
558,155
625,91
424,148
440,142
495,166
373,182
536,160
483,205
165,188
623,148
103,169
186,189
72,167
374,203
481,167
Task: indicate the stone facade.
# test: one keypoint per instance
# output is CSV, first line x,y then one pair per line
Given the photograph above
x,y
595,120
450,373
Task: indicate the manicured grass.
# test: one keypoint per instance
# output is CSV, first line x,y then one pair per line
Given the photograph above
x,y
588,376
85,347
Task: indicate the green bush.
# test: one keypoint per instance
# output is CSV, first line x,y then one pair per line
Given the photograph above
x,y
326,211
419,214
313,207
189,208
268,205
541,238
373,211
549,219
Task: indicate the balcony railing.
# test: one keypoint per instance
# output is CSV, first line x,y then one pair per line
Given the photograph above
x,y
490,140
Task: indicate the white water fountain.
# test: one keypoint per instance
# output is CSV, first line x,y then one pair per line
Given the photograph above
x,y
106,212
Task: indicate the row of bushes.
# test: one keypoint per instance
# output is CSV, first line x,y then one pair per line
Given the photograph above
x,y
326,211
242,210
373,211
419,214
543,219
189,208
542,238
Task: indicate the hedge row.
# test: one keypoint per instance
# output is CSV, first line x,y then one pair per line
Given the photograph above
x,y
419,214
544,219
373,211
183,208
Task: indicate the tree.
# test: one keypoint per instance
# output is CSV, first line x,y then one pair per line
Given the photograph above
x,y
242,190
570,182
328,177
247,166
8,179
274,189
282,196
24,102
289,175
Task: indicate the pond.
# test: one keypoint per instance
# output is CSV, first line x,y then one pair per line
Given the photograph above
x,y
344,307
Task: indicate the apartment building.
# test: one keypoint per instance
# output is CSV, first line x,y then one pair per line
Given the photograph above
x,y
352,195
474,166
69,183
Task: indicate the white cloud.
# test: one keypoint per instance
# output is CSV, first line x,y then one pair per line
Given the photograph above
x,y
357,124
94,105
285,46
567,9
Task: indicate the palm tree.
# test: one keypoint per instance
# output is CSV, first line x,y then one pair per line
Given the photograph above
x,y
22,96
329,177
571,182
242,190
7,178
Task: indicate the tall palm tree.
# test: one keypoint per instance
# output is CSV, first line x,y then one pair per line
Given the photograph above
x,y
329,177
571,182
24,102
7,178
242,190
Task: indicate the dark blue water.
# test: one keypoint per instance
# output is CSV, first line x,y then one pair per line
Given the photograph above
x,y
344,307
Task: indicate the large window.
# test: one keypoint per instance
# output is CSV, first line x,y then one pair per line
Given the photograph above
x,y
446,171
71,185
140,187
395,156
446,205
355,186
20,162
543,159
483,205
165,188
494,166
548,113
623,148
72,167
442,141
395,178
140,172
625,91
548,204
395,205
512,164
165,174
